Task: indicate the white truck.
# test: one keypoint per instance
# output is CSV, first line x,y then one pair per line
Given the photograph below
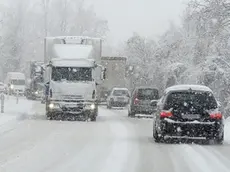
x,y
15,83
72,76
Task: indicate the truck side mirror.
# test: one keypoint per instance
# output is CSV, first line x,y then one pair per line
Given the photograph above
x,y
103,74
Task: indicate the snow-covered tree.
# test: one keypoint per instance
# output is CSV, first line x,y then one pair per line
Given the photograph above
x,y
141,52
198,52
24,24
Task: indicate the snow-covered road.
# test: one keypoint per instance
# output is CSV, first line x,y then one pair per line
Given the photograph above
x,y
115,143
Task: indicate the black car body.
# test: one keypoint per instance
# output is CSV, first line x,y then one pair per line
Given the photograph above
x,y
140,101
188,112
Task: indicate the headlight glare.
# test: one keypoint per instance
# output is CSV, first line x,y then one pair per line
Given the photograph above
x,y
51,105
92,106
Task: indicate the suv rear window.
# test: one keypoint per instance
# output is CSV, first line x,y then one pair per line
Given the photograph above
x,y
192,101
148,94
120,93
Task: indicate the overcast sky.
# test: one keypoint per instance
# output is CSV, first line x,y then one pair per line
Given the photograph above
x,y
147,17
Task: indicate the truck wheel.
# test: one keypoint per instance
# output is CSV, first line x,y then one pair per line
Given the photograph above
x,y
93,118
220,140
49,117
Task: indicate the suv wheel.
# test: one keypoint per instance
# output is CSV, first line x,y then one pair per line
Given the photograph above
x,y
156,137
131,113
220,140
109,106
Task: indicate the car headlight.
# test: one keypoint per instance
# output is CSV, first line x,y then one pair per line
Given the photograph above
x,y
36,92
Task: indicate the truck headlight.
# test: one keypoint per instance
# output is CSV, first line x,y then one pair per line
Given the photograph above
x,y
92,106
53,106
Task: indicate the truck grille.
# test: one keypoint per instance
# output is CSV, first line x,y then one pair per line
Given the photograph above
x,y
73,109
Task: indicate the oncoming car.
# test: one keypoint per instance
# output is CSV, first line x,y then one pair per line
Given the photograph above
x,y
188,112
119,97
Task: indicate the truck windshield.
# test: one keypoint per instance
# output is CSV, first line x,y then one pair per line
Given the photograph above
x,y
18,82
72,73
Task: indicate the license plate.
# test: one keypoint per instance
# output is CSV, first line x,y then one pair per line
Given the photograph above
x,y
70,106
191,116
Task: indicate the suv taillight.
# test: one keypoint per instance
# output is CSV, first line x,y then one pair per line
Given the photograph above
x,y
136,101
217,115
166,114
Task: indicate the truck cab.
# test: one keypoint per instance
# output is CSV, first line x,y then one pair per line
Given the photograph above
x,y
72,76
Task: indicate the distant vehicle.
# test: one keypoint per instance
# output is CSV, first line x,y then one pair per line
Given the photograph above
x,y
140,101
119,97
15,83
35,85
2,87
188,112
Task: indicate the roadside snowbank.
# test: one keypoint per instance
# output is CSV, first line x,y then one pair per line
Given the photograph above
x,y
12,110
227,130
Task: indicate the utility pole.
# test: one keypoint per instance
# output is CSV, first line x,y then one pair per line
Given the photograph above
x,y
46,9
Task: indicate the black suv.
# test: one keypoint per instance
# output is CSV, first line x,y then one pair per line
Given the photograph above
x,y
140,101
188,112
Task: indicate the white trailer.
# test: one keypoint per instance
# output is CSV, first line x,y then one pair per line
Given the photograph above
x,y
115,74
73,76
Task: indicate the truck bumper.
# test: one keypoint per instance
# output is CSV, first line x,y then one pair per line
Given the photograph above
x,y
72,110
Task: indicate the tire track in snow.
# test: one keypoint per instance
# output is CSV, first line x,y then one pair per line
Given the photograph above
x,y
199,159
177,158
81,160
121,149
218,160
222,153
195,161
90,158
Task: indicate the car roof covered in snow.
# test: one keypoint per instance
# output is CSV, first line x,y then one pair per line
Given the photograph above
x,y
16,75
146,87
187,87
117,88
